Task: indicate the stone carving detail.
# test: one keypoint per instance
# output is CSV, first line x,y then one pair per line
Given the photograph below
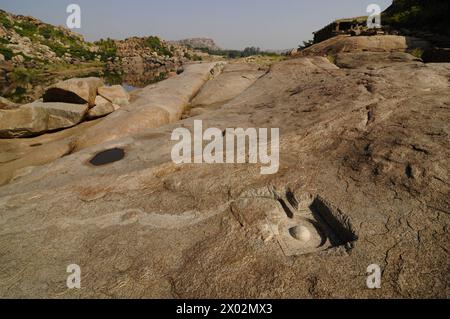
x,y
301,227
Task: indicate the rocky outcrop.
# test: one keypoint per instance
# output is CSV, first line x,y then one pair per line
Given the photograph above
x,y
197,43
147,60
38,117
152,106
27,37
379,43
21,122
77,91
42,54
64,105
6,82
372,60
60,115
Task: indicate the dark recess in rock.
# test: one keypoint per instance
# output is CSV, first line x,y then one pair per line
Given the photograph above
x,y
58,95
107,157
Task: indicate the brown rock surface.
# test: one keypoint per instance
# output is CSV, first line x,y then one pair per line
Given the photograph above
x,y
115,94
372,60
22,122
232,81
153,106
5,104
102,107
378,43
365,148
25,152
38,117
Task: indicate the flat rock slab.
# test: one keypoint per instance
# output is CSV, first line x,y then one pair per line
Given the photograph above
x,y
38,117
60,115
381,43
373,60
234,79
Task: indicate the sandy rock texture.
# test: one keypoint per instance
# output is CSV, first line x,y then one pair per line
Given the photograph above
x,y
38,117
102,107
115,94
378,43
5,104
152,106
364,179
232,81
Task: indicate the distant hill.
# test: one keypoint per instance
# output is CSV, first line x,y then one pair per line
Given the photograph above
x,y
198,43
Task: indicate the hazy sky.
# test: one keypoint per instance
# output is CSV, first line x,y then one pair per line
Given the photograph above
x,y
233,24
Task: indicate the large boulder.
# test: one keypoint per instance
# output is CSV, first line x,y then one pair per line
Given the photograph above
x,y
76,91
38,117
102,107
115,94
61,115
21,122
